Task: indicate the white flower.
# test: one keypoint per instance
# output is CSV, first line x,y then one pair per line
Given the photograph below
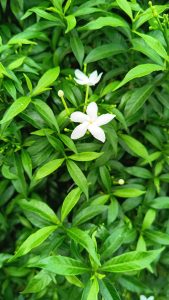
x,y
83,79
145,298
91,122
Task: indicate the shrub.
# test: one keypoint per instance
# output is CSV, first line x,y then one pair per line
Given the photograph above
x,y
84,209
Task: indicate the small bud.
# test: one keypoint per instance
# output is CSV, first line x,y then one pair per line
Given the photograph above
x,y
61,93
121,181
150,3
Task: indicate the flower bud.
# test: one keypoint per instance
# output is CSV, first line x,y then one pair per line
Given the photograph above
x,y
61,93
121,181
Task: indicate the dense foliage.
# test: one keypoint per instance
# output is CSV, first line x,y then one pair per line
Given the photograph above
x,y
83,219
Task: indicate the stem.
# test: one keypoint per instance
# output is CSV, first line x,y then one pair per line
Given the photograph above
x,y
86,97
65,106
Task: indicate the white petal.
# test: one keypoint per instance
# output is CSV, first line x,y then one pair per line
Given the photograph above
x,y
143,297
94,78
151,298
97,132
92,110
79,131
82,82
104,119
81,78
79,117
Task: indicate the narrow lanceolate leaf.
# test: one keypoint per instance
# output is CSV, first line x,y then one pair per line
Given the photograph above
x,y
101,22
85,156
157,237
125,6
88,213
38,282
40,209
34,240
49,168
77,48
71,23
135,146
128,192
16,108
155,44
78,176
62,265
105,51
46,80
160,203
94,290
137,99
139,71
69,202
81,237
46,113
131,261
108,291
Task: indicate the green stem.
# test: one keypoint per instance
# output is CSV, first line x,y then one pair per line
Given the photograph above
x,y
65,106
86,97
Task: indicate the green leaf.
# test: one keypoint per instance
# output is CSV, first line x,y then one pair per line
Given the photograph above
x,y
160,203
85,156
131,261
139,71
157,237
17,63
46,113
77,176
125,6
62,265
45,81
68,142
108,291
88,213
81,237
16,108
94,290
34,240
49,168
149,219
113,21
69,202
77,48
135,146
147,15
27,163
105,51
155,45
113,242
71,23
128,192
38,282
139,172
137,99
40,209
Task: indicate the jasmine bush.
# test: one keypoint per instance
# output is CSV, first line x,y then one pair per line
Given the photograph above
x,y
84,207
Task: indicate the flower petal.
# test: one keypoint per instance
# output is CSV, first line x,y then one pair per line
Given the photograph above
x,y
151,298
92,110
142,297
94,78
79,131
97,132
81,78
79,117
104,119
82,82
